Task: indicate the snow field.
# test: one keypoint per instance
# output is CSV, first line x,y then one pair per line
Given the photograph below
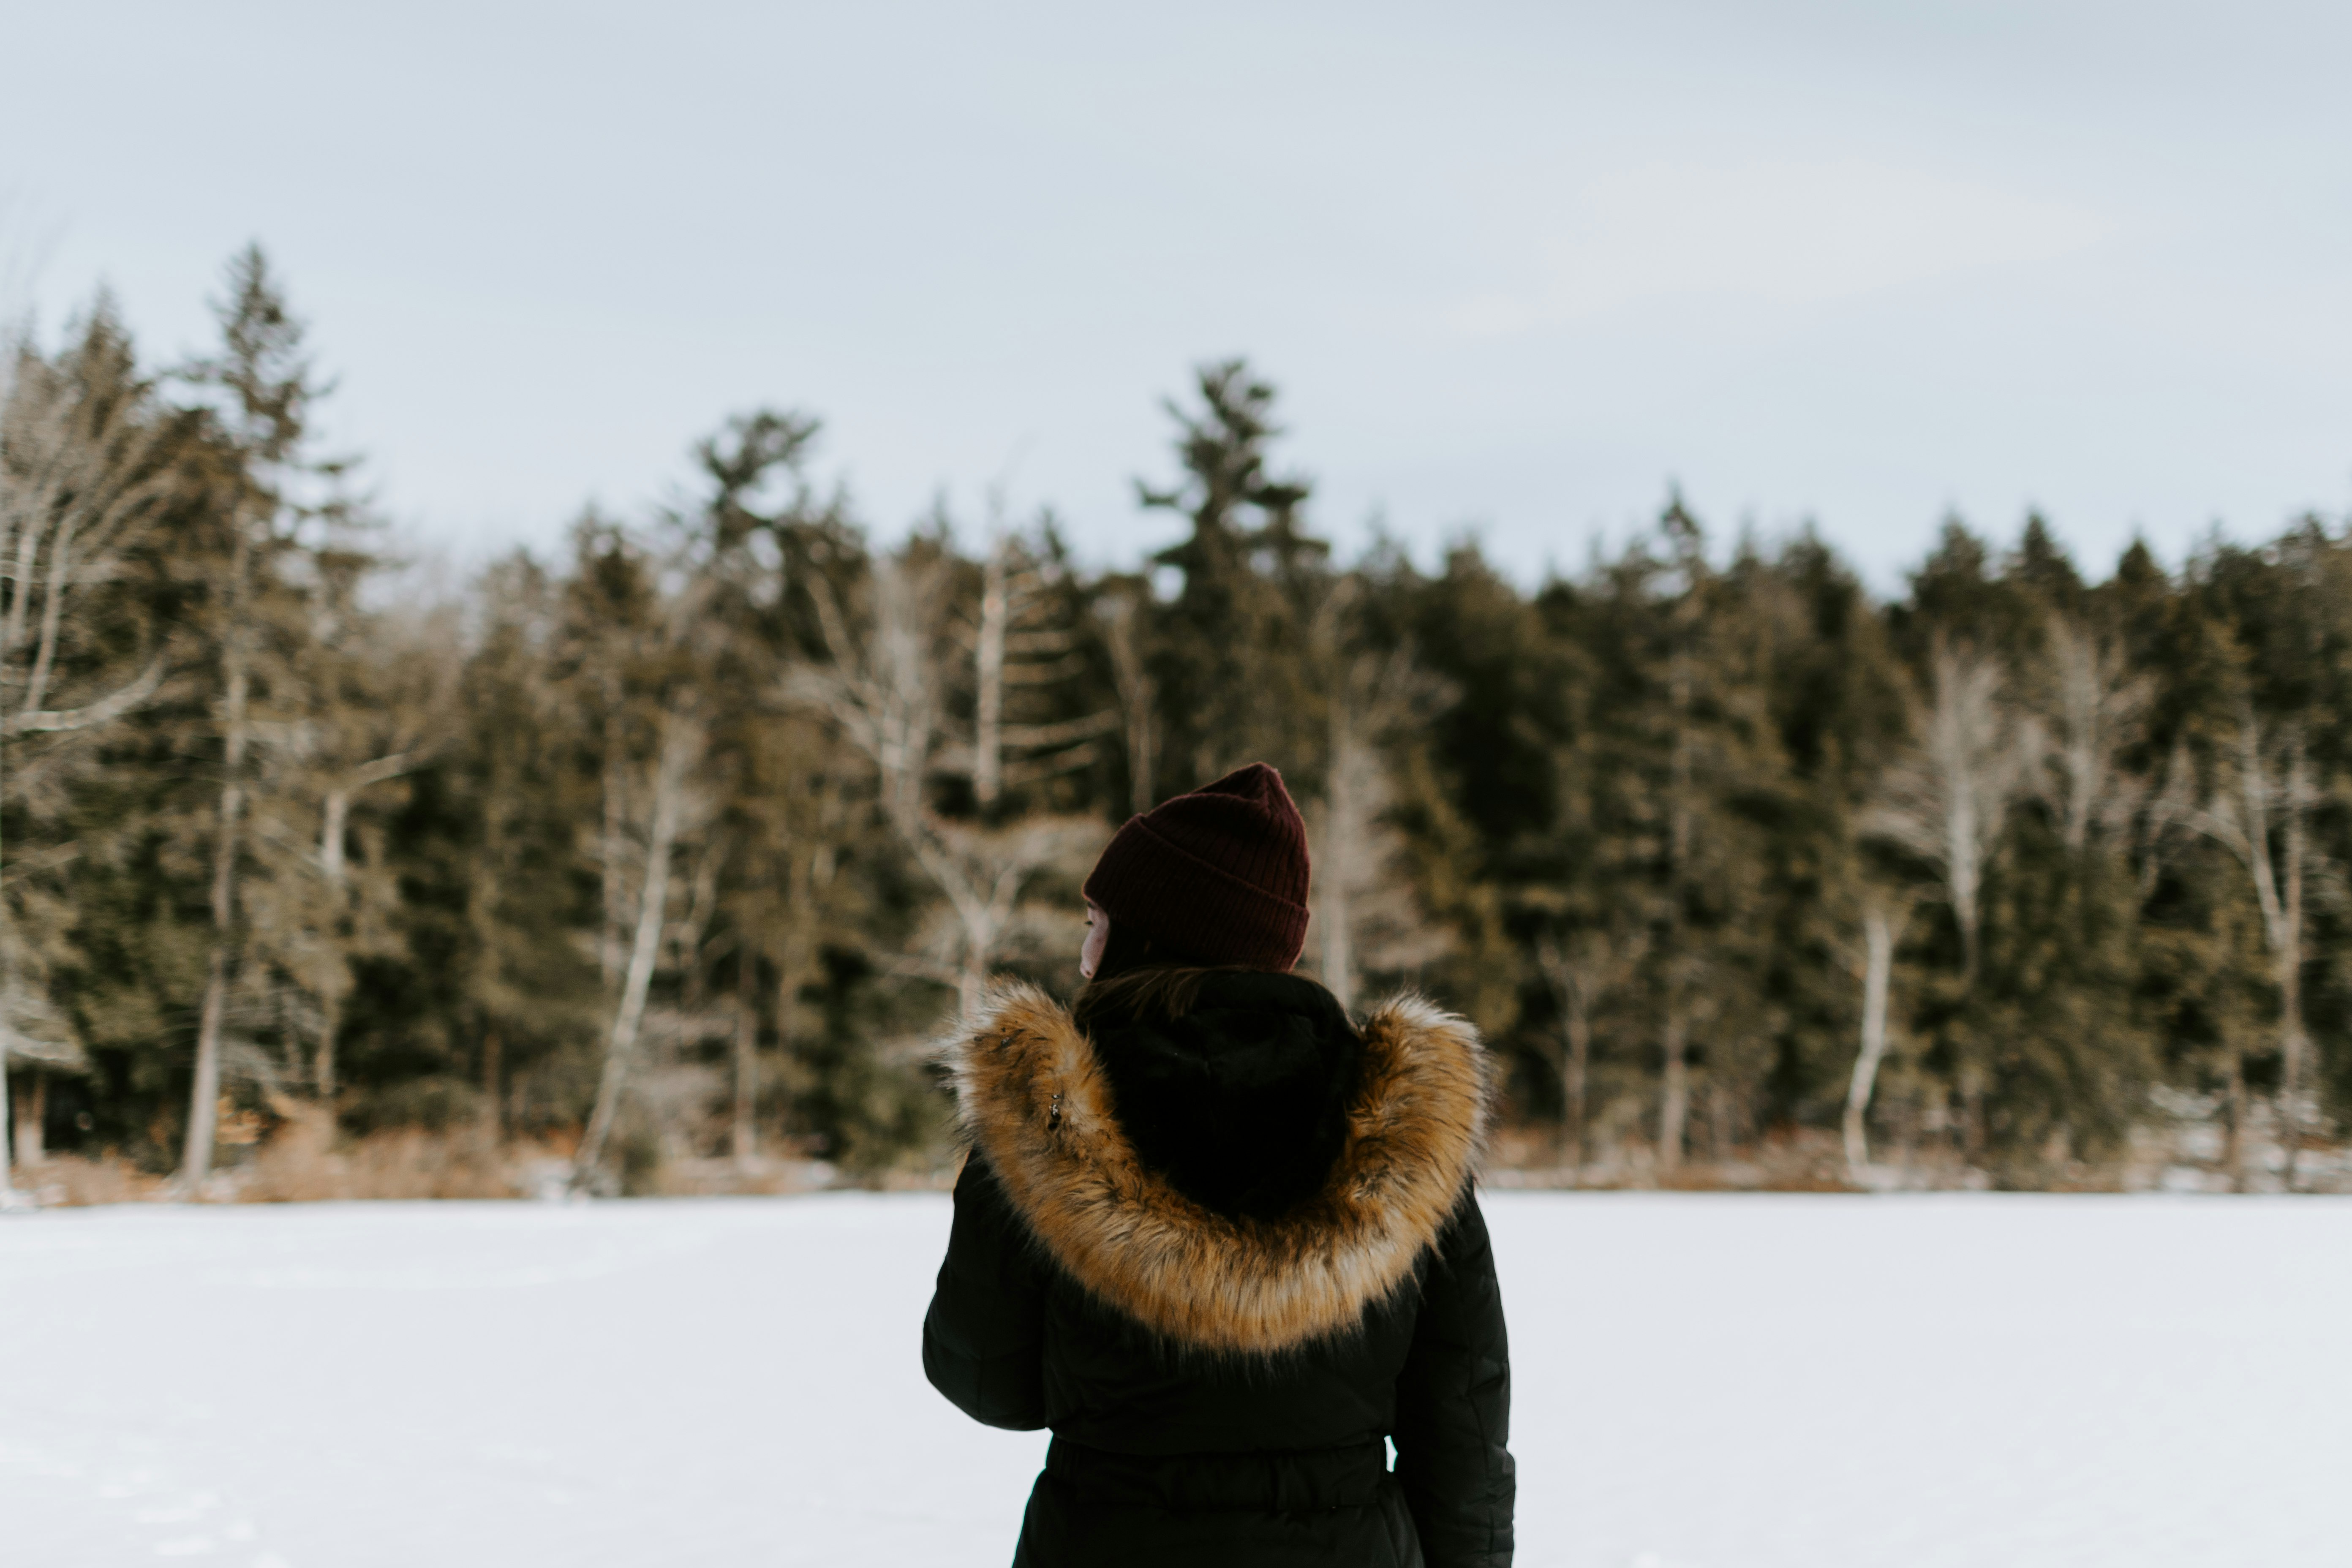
x,y
1736,1382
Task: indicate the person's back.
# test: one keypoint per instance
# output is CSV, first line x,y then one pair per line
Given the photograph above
x,y
1222,1240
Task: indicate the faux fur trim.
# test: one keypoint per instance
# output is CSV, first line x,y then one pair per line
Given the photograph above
x,y
1032,1096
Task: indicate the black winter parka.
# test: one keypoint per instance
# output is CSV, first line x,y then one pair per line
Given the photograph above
x,y
1230,1257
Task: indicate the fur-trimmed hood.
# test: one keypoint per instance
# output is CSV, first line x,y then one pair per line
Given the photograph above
x,y
1035,1097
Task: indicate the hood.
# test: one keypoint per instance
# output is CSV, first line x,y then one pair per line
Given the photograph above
x,y
1278,1173
1241,1098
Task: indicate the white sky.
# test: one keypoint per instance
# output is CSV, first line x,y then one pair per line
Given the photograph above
x,y
1515,267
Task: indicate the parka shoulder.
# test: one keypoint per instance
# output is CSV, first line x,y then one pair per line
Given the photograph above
x,y
1033,1097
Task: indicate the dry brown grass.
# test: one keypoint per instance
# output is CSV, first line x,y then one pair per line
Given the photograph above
x,y
68,1181
304,1160
726,1178
1805,1161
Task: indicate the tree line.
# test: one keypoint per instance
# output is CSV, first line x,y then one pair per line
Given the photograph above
x,y
677,844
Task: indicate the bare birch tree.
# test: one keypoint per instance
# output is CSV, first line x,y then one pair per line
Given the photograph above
x,y
378,694
677,1090
2091,707
998,587
1883,917
671,809
88,462
1947,798
331,983
2266,795
1364,902
884,687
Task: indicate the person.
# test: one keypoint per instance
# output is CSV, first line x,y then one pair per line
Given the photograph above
x,y
1220,1237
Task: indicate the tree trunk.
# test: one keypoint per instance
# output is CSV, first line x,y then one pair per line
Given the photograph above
x,y
203,1094
1878,972
988,699
792,964
1141,796
1674,1105
2293,1042
608,938
334,824
747,1054
1121,626
493,1071
1968,753
482,898
2282,909
1960,830
331,1025
1343,850
335,816
1338,956
1576,1064
2233,1151
32,1107
788,984
680,747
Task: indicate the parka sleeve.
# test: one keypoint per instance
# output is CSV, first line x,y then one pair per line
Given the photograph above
x,y
1454,1406
983,1339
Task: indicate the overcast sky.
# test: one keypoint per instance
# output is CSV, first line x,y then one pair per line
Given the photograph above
x,y
1515,269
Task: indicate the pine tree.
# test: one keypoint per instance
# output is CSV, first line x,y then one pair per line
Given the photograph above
x,y
255,622
1227,658
524,987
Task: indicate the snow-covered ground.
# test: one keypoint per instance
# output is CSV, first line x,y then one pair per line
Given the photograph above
x,y
1754,1381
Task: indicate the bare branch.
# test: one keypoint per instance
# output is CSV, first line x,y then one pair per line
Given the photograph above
x,y
2091,706
1947,800
124,700
391,767
1041,736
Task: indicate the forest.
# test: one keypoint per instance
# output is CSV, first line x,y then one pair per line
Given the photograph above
x,y
656,862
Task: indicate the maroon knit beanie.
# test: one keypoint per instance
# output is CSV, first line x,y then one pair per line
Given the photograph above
x,y
1219,875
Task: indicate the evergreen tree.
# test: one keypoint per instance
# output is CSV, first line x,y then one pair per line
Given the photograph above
x,y
674,846
90,464
1227,660
255,622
